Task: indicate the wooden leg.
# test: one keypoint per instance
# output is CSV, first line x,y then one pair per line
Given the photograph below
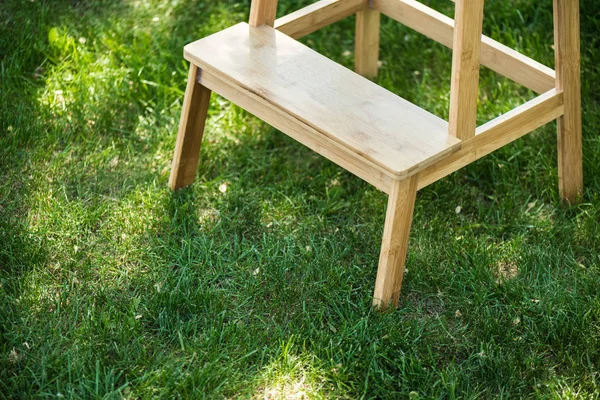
x,y
262,12
466,52
398,218
566,49
191,129
366,45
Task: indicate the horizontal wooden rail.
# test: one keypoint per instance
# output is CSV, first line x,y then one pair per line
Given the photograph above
x,y
494,55
497,133
318,15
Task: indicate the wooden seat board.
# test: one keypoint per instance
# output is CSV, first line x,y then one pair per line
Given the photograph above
x,y
342,105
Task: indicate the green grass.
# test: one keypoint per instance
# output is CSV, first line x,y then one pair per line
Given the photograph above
x,y
112,286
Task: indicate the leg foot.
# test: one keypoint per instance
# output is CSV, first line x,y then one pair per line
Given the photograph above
x,y
191,129
398,219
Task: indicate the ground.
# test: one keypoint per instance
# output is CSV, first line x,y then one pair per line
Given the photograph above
x,y
256,281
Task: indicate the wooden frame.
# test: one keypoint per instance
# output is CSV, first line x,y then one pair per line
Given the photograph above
x,y
559,98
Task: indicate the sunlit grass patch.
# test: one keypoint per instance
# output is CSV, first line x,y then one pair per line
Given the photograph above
x,y
292,374
256,281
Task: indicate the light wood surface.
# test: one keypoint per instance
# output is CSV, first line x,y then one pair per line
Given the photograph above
x,y
494,55
566,47
464,84
360,116
191,129
298,130
366,43
262,12
317,15
396,231
498,133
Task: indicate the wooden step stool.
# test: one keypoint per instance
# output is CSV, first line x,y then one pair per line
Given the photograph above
x,y
378,136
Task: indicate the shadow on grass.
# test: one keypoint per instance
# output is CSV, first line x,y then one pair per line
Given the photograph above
x,y
204,291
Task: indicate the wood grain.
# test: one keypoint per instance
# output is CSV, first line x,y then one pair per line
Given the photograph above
x,y
299,131
360,116
464,84
262,12
494,55
566,48
396,231
317,15
191,129
366,43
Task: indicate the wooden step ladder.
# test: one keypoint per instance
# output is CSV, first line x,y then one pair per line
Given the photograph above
x,y
376,135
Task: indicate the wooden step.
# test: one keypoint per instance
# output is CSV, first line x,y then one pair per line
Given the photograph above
x,y
341,107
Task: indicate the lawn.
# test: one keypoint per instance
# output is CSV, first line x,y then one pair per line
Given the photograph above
x,y
256,281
